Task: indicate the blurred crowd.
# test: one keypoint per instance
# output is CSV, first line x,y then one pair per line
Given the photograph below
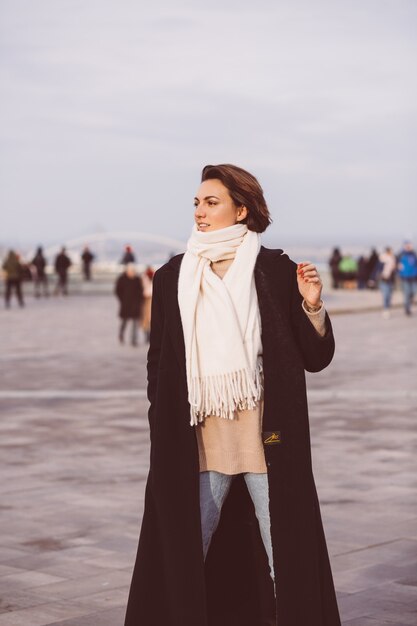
x,y
17,271
132,289
378,270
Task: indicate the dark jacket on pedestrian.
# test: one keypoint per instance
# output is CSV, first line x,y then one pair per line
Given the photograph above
x,y
129,291
128,257
372,265
39,263
363,272
62,263
172,585
335,260
87,257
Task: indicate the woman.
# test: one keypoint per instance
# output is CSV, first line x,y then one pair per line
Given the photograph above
x,y
388,268
147,278
230,500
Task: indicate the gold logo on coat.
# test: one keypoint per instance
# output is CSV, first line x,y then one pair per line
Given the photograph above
x,y
274,437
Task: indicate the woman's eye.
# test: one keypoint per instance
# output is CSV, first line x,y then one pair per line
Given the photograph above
x,y
211,203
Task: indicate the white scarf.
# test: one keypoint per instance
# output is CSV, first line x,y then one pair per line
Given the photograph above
x,y
221,322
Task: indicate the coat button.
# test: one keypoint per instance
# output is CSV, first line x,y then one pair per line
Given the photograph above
x,y
269,463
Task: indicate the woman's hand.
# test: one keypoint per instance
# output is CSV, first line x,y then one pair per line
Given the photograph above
x,y
309,283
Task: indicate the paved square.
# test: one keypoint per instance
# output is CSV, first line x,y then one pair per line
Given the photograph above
x,y
74,460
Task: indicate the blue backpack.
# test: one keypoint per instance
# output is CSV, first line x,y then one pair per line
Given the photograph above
x,y
407,265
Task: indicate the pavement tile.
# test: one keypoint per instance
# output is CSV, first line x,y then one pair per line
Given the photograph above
x,y
28,579
354,580
83,586
41,615
13,599
369,621
401,617
116,560
6,570
7,553
71,569
109,598
109,617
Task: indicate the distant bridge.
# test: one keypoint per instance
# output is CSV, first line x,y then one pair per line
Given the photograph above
x,y
113,243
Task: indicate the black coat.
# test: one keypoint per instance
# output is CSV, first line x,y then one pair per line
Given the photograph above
x,y
130,294
39,262
171,585
128,257
62,264
87,257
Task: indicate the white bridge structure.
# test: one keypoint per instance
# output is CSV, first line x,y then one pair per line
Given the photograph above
x,y
108,248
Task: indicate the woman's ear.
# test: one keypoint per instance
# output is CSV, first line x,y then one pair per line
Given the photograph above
x,y
242,213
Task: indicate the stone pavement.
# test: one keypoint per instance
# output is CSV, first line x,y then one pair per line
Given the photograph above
x,y
74,460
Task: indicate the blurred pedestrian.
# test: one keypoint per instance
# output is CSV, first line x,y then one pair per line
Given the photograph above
x,y
362,272
334,267
13,270
40,277
387,264
147,278
407,270
87,259
62,265
373,264
129,291
128,256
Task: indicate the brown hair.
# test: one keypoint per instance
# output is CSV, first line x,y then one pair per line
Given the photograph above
x,y
244,190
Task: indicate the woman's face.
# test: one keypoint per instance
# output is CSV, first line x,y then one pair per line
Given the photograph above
x,y
214,207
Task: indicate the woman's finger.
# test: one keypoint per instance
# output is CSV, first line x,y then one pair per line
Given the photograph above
x,y
305,266
305,269
312,272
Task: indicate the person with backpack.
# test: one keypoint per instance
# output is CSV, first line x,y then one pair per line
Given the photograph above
x,y
407,271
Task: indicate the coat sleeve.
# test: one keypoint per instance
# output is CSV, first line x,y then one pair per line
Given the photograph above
x,y
118,288
317,351
141,289
155,341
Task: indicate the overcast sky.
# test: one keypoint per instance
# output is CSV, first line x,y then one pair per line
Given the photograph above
x,y
110,109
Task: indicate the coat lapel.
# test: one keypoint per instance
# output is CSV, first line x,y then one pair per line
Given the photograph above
x,y
174,315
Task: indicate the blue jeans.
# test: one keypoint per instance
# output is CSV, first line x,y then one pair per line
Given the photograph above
x,y
386,289
214,488
409,288
134,322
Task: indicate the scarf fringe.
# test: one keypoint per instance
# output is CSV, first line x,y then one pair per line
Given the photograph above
x,y
224,394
